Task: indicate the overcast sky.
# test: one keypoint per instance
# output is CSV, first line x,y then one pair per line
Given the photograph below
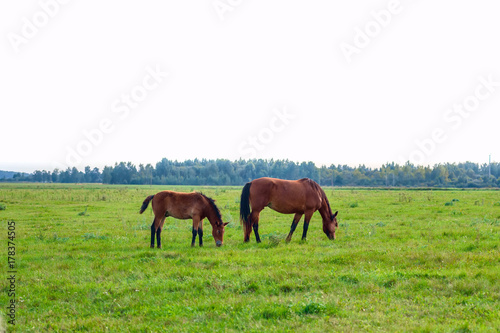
x,y
342,82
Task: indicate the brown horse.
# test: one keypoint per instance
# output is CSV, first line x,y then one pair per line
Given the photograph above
x,y
299,197
184,206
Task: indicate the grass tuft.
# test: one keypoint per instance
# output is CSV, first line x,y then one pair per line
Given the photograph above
x,y
89,236
349,279
311,308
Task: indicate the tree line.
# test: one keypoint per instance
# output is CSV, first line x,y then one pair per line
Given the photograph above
x,y
226,172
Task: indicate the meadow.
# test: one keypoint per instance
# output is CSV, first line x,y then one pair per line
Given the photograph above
x,y
403,261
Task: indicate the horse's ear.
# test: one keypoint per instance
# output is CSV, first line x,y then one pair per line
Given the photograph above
x,y
226,223
335,215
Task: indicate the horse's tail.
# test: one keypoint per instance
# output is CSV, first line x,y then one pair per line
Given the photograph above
x,y
146,203
245,206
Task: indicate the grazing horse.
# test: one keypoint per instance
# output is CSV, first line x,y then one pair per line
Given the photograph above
x,y
184,206
299,197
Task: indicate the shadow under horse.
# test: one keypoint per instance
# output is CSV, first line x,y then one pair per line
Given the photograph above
x,y
299,197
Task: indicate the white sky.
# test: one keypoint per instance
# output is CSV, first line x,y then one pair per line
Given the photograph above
x,y
232,69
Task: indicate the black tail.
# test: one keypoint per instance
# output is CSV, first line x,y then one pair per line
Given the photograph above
x,y
245,205
146,203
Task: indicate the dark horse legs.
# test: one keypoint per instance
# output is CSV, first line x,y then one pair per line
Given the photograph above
x,y
304,233
292,229
295,221
198,232
158,236
153,235
256,231
307,218
195,232
294,226
254,217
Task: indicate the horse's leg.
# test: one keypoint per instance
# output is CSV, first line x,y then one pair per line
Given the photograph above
x,y
196,222
158,233
254,217
153,231
256,231
307,218
200,232
295,221
247,231
248,227
195,232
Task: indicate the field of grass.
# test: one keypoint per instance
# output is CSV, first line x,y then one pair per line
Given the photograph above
x,y
404,260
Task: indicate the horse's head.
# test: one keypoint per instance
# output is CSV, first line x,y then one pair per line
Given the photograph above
x,y
218,232
330,226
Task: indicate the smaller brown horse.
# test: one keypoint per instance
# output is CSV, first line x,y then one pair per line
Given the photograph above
x,y
299,197
184,206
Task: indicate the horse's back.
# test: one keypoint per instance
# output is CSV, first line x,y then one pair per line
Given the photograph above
x,y
283,186
285,196
179,205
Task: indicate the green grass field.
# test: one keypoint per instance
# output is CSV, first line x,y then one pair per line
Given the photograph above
x,y
403,261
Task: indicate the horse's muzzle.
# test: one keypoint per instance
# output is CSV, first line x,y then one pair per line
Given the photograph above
x,y
218,243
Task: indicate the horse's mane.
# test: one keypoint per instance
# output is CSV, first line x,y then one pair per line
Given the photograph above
x,y
214,206
322,193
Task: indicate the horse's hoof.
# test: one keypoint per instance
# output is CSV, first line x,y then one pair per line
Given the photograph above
x,y
159,246
152,246
192,244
